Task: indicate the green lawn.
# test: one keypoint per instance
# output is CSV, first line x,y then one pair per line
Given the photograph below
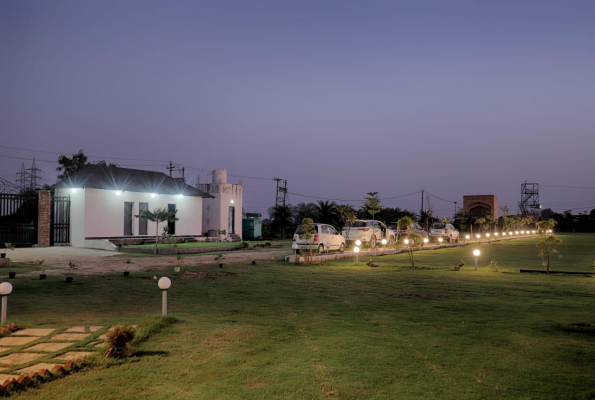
x,y
181,245
339,330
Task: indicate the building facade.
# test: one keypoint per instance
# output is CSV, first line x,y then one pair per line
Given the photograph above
x,y
223,209
480,205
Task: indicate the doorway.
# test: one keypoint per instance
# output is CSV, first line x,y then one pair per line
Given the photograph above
x,y
171,225
128,215
142,222
231,220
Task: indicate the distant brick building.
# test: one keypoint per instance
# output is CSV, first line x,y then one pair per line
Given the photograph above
x,y
480,205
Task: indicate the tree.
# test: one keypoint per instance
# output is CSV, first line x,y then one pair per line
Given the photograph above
x,y
327,213
461,221
308,229
372,203
405,223
71,165
282,216
548,247
158,215
347,216
304,210
412,240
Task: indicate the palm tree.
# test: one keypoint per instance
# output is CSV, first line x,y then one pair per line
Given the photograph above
x,y
304,210
158,215
327,212
282,217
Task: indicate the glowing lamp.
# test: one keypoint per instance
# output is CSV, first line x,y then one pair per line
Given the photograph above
x,y
358,242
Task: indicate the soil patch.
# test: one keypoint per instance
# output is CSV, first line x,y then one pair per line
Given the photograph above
x,y
203,276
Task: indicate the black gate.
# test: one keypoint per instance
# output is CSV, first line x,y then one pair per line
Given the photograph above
x,y
60,220
18,219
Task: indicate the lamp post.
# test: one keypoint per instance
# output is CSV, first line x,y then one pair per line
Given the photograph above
x,y
356,251
476,253
426,240
5,290
467,237
384,242
477,236
440,240
164,284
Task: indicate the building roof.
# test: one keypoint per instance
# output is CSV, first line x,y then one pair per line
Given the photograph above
x,y
127,180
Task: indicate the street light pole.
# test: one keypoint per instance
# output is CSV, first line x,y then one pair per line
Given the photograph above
x,y
164,284
476,253
5,290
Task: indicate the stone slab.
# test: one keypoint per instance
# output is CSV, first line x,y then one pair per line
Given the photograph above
x,y
37,367
100,345
50,347
68,336
95,328
79,329
103,337
20,358
16,341
4,377
74,355
39,332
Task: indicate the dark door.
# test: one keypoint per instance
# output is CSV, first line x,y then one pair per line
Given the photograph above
x,y
171,225
60,220
142,222
18,219
128,207
231,220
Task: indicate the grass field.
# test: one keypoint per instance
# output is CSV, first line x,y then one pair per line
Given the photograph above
x,y
277,330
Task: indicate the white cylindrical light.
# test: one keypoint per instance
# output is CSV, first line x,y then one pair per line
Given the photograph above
x,y
440,240
467,237
358,242
426,240
477,236
384,242
356,249
406,241
5,289
476,253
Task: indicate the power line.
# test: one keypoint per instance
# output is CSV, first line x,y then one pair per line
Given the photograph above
x,y
569,187
72,154
360,200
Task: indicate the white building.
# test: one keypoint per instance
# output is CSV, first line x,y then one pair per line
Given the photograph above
x,y
104,201
224,210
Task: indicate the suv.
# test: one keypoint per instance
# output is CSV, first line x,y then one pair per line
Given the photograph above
x,y
368,231
415,228
445,231
325,237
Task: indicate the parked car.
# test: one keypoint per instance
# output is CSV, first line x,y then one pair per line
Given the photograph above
x,y
445,231
325,237
368,231
416,228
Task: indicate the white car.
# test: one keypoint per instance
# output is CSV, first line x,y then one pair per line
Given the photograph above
x,y
368,231
444,231
324,238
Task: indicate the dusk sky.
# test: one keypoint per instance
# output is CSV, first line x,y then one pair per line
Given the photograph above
x,y
339,97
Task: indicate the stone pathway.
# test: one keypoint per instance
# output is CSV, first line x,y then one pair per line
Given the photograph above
x,y
35,349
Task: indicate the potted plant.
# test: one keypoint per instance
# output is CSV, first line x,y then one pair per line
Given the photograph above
x,y
72,266
219,259
8,246
221,233
253,262
126,272
11,274
178,268
40,265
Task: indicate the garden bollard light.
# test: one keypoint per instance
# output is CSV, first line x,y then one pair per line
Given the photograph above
x,y
384,242
5,290
164,284
356,251
476,253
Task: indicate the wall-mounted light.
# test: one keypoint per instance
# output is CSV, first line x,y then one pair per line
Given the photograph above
x,y
118,192
180,195
152,195
73,190
233,201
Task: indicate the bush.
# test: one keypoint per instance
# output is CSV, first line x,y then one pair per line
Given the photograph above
x,y
267,244
118,340
460,266
493,266
244,244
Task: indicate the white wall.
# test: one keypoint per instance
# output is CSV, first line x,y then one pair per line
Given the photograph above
x,y
216,211
77,215
104,212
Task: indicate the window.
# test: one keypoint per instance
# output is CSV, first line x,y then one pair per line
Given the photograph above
x,y
128,216
332,230
171,225
142,222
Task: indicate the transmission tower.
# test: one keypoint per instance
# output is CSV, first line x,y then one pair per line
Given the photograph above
x,y
172,168
23,179
33,175
529,203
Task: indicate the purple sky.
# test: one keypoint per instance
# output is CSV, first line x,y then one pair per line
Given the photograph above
x,y
339,97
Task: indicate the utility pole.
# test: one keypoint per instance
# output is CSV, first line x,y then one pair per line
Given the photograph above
x,y
281,192
455,209
422,201
171,168
33,175
277,191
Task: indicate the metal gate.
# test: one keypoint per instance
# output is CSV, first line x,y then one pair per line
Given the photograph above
x,y
60,220
18,219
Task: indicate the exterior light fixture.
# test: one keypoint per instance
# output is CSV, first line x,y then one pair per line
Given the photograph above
x,y
358,242
503,233
467,237
180,195
516,232
5,290
233,201
384,241
356,251
406,241
476,253
522,232
487,235
495,233
164,284
118,192
533,232
478,236
426,240
152,195
73,190
440,240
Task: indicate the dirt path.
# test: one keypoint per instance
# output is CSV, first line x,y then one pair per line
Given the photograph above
x,y
99,262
